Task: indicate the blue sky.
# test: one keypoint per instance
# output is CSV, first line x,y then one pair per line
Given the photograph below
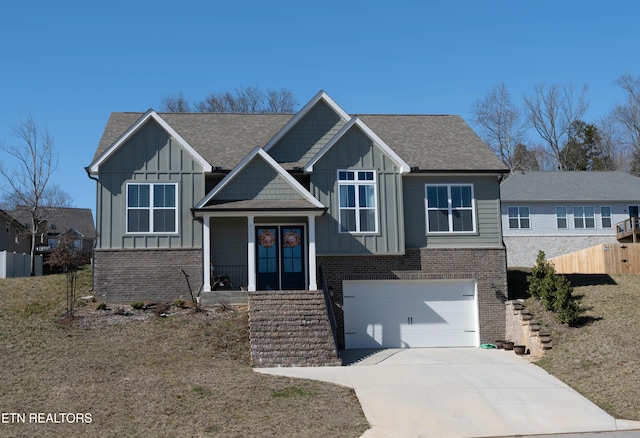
x,y
72,63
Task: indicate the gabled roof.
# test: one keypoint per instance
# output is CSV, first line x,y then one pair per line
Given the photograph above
x,y
440,143
356,122
578,186
303,112
80,220
306,199
132,129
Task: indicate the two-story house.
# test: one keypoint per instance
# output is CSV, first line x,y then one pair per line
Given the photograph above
x,y
397,216
563,212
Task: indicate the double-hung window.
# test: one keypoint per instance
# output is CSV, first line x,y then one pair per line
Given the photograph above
x,y
152,208
584,217
605,217
519,217
357,201
450,208
561,218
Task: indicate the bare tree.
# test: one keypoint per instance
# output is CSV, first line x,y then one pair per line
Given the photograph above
x,y
282,101
615,142
176,103
502,127
627,115
28,181
551,111
247,100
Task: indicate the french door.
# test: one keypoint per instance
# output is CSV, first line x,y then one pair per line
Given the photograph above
x,y
280,257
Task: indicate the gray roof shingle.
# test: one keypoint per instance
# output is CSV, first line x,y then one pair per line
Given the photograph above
x,y
80,219
570,186
429,142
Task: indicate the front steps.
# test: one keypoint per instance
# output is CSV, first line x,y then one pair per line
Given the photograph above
x,y
524,330
290,328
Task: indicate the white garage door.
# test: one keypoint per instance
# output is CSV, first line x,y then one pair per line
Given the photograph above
x,y
410,313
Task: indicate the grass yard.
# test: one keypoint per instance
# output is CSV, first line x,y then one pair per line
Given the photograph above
x,y
186,374
600,358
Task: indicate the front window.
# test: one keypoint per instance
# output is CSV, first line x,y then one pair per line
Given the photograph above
x,y
519,217
152,208
605,215
584,217
561,218
450,209
357,201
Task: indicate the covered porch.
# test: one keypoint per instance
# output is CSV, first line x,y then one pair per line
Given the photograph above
x,y
270,249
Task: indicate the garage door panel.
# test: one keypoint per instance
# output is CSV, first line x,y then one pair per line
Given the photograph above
x,y
396,314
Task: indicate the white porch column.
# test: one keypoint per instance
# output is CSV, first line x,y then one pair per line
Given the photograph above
x,y
313,282
206,254
251,254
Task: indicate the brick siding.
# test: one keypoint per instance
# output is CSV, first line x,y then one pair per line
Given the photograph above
x,y
148,275
486,266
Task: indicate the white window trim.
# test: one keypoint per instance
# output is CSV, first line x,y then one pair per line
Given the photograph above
x,y
519,217
151,208
610,217
450,209
566,217
356,182
584,217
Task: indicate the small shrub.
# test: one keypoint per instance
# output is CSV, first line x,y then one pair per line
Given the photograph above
x,y
179,302
101,306
137,305
553,290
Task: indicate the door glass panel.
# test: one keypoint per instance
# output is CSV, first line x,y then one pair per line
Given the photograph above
x,y
292,250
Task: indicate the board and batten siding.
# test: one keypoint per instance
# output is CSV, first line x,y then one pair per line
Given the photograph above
x,y
487,198
308,136
258,180
149,156
355,151
543,222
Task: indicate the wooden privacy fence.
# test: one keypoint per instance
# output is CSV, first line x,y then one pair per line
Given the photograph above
x,y
607,258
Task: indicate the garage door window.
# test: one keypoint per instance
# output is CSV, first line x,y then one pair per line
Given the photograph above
x,y
357,200
450,208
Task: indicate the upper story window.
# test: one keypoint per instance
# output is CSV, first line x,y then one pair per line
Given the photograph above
x,y
8,227
634,210
561,218
519,217
152,208
450,208
357,201
605,217
584,217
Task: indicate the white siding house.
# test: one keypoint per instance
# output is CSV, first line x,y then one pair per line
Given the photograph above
x,y
563,212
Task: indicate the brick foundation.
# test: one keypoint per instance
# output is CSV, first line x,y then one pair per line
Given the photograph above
x,y
486,266
148,275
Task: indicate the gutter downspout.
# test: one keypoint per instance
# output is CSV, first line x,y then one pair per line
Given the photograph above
x,y
93,249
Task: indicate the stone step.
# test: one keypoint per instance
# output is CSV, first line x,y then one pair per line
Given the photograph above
x,y
290,328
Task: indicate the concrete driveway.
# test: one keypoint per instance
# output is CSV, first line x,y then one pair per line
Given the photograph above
x,y
459,392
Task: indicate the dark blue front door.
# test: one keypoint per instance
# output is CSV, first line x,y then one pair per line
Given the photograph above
x,y
280,258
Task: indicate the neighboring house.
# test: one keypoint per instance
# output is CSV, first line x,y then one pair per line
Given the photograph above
x,y
396,216
15,249
61,221
14,237
563,212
